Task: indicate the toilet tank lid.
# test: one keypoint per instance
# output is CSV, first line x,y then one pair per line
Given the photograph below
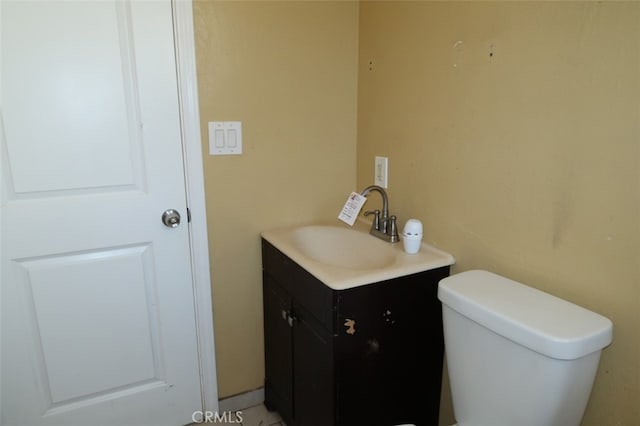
x,y
535,319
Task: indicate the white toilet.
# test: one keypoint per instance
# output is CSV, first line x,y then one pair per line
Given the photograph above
x,y
517,356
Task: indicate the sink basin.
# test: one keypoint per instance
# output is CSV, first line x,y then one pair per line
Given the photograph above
x,y
343,247
343,257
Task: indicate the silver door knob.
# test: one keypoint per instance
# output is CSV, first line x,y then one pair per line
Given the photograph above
x,y
171,218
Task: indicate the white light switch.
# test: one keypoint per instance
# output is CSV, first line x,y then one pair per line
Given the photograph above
x,y
219,138
232,141
225,137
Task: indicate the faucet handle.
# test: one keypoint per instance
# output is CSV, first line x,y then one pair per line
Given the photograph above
x,y
376,219
393,229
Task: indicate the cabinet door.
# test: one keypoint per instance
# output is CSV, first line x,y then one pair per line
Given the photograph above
x,y
389,369
314,374
278,349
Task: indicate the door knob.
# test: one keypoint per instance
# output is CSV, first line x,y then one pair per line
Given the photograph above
x,y
171,218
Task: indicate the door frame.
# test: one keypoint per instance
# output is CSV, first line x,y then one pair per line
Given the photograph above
x,y
184,35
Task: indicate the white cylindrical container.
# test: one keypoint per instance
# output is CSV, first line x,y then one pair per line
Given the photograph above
x,y
412,236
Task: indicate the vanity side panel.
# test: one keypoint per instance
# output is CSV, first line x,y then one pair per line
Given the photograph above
x,y
389,351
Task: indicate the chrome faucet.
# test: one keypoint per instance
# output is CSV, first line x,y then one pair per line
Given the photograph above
x,y
385,226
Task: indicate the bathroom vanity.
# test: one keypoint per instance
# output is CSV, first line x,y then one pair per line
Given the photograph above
x,y
368,354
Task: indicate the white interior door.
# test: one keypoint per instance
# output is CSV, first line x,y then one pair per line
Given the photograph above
x,y
98,315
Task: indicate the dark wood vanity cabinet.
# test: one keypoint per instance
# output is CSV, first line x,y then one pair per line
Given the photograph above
x,y
369,355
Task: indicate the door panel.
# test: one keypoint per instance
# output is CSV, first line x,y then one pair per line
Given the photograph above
x,y
101,280
84,113
98,314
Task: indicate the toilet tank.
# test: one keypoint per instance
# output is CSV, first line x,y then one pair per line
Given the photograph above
x,y
517,355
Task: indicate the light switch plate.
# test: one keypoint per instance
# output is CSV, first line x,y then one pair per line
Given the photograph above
x,y
381,172
225,137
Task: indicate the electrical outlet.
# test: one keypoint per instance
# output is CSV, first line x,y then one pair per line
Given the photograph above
x,y
381,172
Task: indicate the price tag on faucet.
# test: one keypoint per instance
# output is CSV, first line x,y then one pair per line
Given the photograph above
x,y
352,208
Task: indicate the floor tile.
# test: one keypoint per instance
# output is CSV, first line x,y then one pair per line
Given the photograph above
x,y
260,416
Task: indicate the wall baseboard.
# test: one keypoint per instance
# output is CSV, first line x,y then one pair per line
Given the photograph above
x,y
242,400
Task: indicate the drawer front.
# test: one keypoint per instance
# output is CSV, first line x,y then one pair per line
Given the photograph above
x,y
303,287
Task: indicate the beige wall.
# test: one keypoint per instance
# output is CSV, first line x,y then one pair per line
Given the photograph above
x,y
287,70
525,162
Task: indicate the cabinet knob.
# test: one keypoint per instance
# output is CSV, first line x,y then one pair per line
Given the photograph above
x,y
285,314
